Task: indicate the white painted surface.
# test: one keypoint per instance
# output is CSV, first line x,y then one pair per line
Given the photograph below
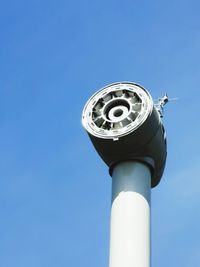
x,y
130,216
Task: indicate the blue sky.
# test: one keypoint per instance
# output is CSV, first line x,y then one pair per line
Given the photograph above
x,y
54,189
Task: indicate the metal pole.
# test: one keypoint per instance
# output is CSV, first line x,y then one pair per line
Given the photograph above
x,y
130,215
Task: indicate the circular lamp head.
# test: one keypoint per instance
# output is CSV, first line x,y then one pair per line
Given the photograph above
x,y
123,125
116,110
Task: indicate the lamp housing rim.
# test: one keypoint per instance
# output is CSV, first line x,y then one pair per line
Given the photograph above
x,y
147,106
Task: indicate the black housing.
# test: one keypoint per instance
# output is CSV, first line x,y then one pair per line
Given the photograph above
x,y
146,144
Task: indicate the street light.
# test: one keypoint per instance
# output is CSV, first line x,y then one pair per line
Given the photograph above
x,y
126,130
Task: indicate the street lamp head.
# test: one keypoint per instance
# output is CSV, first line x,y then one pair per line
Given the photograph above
x,y
124,125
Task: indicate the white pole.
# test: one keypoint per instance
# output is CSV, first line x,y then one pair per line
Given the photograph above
x,y
130,215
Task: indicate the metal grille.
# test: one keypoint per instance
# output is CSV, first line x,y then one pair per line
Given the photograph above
x,y
116,110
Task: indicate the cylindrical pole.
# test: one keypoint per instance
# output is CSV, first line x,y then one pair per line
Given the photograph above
x,y
130,215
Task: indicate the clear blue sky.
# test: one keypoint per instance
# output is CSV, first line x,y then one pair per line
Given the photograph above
x,y
54,189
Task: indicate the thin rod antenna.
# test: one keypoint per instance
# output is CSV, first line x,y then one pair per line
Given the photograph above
x,y
161,102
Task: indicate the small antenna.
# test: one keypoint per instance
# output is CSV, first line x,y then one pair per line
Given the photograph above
x,y
161,102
